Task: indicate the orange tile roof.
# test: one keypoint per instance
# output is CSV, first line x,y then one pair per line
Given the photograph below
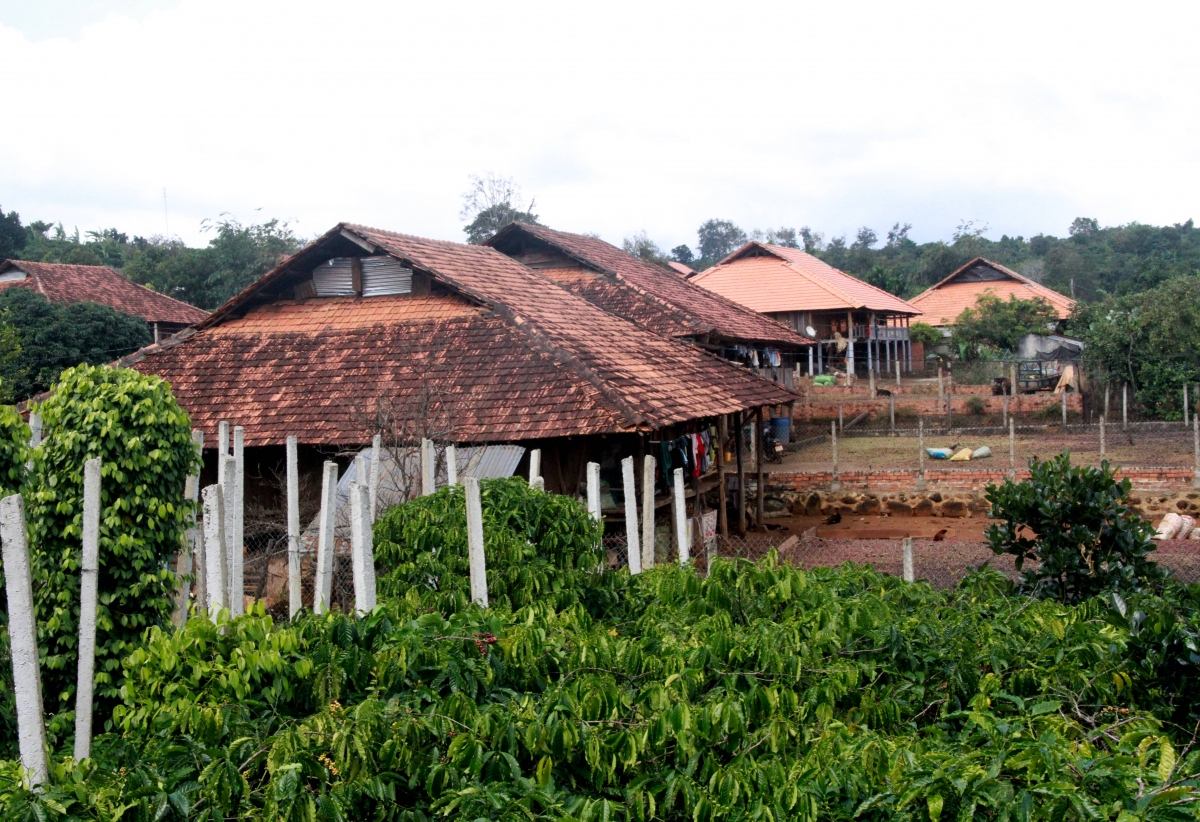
x,y
654,297
771,278
509,355
64,283
942,303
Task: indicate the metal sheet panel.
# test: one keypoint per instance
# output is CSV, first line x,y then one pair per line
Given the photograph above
x,y
385,275
334,278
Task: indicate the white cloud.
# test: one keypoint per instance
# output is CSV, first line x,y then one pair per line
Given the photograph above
x,y
617,116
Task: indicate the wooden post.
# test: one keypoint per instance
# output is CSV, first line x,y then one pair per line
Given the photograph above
x,y
679,507
237,548
295,600
760,457
906,547
593,490
452,464
428,479
1185,405
362,554
920,484
88,583
871,382
722,504
22,631
535,464
741,472
648,465
475,554
1196,451
1101,437
326,532
214,547
376,467
1124,406
631,517
1012,447
892,413
836,485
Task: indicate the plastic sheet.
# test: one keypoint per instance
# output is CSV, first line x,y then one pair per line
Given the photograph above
x,y
1169,527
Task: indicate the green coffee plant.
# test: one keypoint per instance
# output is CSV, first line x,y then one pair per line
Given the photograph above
x,y
538,546
1076,527
133,424
14,450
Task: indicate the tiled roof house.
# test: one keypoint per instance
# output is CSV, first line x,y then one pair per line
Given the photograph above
x,y
859,326
653,297
64,283
363,316
941,304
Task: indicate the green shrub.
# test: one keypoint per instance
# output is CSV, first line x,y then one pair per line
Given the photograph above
x,y
133,424
1075,524
976,405
925,333
538,546
14,450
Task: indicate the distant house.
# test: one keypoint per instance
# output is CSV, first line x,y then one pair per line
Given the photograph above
x,y
859,326
941,304
655,298
65,284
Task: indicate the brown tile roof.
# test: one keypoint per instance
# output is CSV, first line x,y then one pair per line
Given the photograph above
x,y
651,296
771,278
508,355
64,283
942,303
681,269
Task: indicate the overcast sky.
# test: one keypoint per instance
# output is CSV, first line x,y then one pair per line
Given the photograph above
x,y
618,117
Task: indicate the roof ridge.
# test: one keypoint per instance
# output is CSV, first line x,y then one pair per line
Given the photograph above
x,y
1036,286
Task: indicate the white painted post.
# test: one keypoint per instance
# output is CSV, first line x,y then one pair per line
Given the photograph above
x,y
214,547
681,519
593,489
88,580
898,366
1185,405
1004,408
1124,406
237,554
892,413
295,598
631,517
810,361
360,469
1064,407
323,584
648,466
376,456
475,554
535,464
452,464
1101,437
871,382
836,484
920,484
222,447
35,437
228,495
362,554
840,418
906,547
1012,447
1106,398
22,631
538,483
428,479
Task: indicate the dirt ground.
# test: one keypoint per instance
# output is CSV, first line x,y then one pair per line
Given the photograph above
x,y
1135,449
875,540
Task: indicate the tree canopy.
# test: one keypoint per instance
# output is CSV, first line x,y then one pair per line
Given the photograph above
x,y
492,202
993,323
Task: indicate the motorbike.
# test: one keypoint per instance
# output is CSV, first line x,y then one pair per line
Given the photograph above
x,y
772,447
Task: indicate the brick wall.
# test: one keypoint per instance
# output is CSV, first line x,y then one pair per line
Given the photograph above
x,y
855,404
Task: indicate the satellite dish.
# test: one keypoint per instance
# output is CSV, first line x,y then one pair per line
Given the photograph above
x,y
810,331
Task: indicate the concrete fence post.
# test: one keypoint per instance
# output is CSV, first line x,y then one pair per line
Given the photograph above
x,y
1185,405
228,482
88,581
214,547
1004,410
871,382
841,419
538,483
892,413
428,478
593,489
475,554
1064,407
376,467
631,517
941,384
680,511
1012,448
237,551
906,547
326,534
1012,383
22,632
295,597
647,546
1196,451
35,437
362,553
1106,398
920,484
451,464
222,447
836,485
535,464
1124,406
1102,454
